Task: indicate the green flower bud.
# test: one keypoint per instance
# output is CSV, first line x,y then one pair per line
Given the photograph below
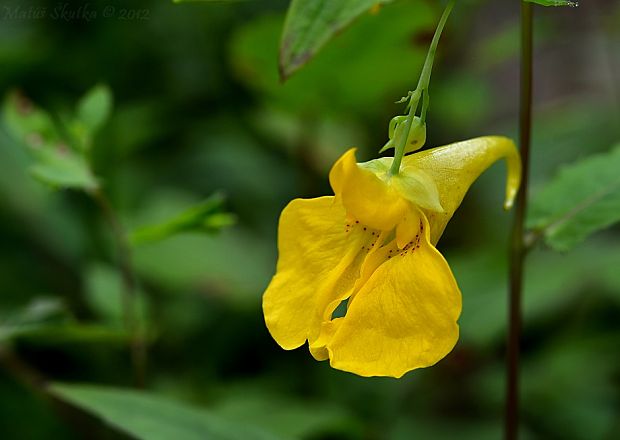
x,y
415,139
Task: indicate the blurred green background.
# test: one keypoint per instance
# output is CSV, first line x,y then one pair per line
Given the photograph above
x,y
198,108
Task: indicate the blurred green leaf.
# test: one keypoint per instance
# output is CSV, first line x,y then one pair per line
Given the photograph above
x,y
46,320
93,110
28,124
206,216
39,312
584,407
73,333
207,1
63,170
582,199
447,429
54,163
497,48
58,230
133,126
569,130
310,24
354,74
151,417
554,280
567,386
210,262
286,417
235,264
453,101
104,293
572,4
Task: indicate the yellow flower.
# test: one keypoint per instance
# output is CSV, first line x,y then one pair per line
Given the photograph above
x,y
373,245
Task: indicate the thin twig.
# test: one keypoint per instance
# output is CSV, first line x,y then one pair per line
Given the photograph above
x,y
518,247
129,298
22,371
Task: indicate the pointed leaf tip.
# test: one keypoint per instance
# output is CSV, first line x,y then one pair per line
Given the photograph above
x,y
310,24
569,3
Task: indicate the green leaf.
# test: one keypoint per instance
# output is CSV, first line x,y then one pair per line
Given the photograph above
x,y
572,4
151,417
38,313
207,1
46,320
94,109
206,216
582,199
310,24
73,333
28,124
203,262
54,162
63,169
287,417
389,60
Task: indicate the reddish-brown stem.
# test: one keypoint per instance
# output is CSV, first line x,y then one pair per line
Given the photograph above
x,y
518,246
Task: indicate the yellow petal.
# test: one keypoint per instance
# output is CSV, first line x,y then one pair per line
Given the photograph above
x,y
365,196
408,229
318,347
403,318
455,167
318,263
375,254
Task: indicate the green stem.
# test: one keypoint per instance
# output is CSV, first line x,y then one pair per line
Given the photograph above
x,y
137,348
21,370
420,91
425,77
400,148
518,245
